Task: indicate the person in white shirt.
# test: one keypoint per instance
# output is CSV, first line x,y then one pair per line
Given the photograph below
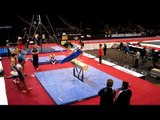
x,y
137,57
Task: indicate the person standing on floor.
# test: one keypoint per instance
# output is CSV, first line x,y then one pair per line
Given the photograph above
x,y
35,53
16,51
100,53
20,43
13,64
122,101
126,52
137,57
104,49
22,85
21,56
107,95
143,55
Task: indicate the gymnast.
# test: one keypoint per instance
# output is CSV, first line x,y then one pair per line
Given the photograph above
x,y
80,47
77,52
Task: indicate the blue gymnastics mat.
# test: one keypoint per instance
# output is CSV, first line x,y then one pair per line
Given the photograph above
x,y
58,48
46,59
47,49
64,88
3,52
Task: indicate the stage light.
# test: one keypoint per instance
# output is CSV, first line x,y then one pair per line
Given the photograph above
x,y
82,36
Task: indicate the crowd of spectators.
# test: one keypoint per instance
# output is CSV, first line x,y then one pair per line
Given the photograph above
x,y
127,28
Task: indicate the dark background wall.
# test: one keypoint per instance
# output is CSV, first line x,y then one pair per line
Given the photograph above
x,y
85,12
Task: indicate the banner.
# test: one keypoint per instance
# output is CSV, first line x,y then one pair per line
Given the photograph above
x,y
125,35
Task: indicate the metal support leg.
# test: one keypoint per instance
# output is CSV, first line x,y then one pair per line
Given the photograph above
x,y
78,73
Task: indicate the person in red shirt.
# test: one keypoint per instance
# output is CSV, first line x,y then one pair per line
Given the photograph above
x,y
100,53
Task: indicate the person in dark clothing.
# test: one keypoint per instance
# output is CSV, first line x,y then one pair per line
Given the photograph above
x,y
122,101
107,95
126,52
104,49
9,52
121,46
158,54
143,54
155,58
22,84
35,53
27,44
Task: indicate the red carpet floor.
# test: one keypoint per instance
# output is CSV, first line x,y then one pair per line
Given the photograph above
x,y
144,93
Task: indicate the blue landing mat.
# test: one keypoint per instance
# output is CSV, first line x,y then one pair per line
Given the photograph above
x,y
47,49
64,88
58,48
46,60
3,52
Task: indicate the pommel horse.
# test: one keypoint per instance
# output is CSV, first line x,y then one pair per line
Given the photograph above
x,y
78,69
